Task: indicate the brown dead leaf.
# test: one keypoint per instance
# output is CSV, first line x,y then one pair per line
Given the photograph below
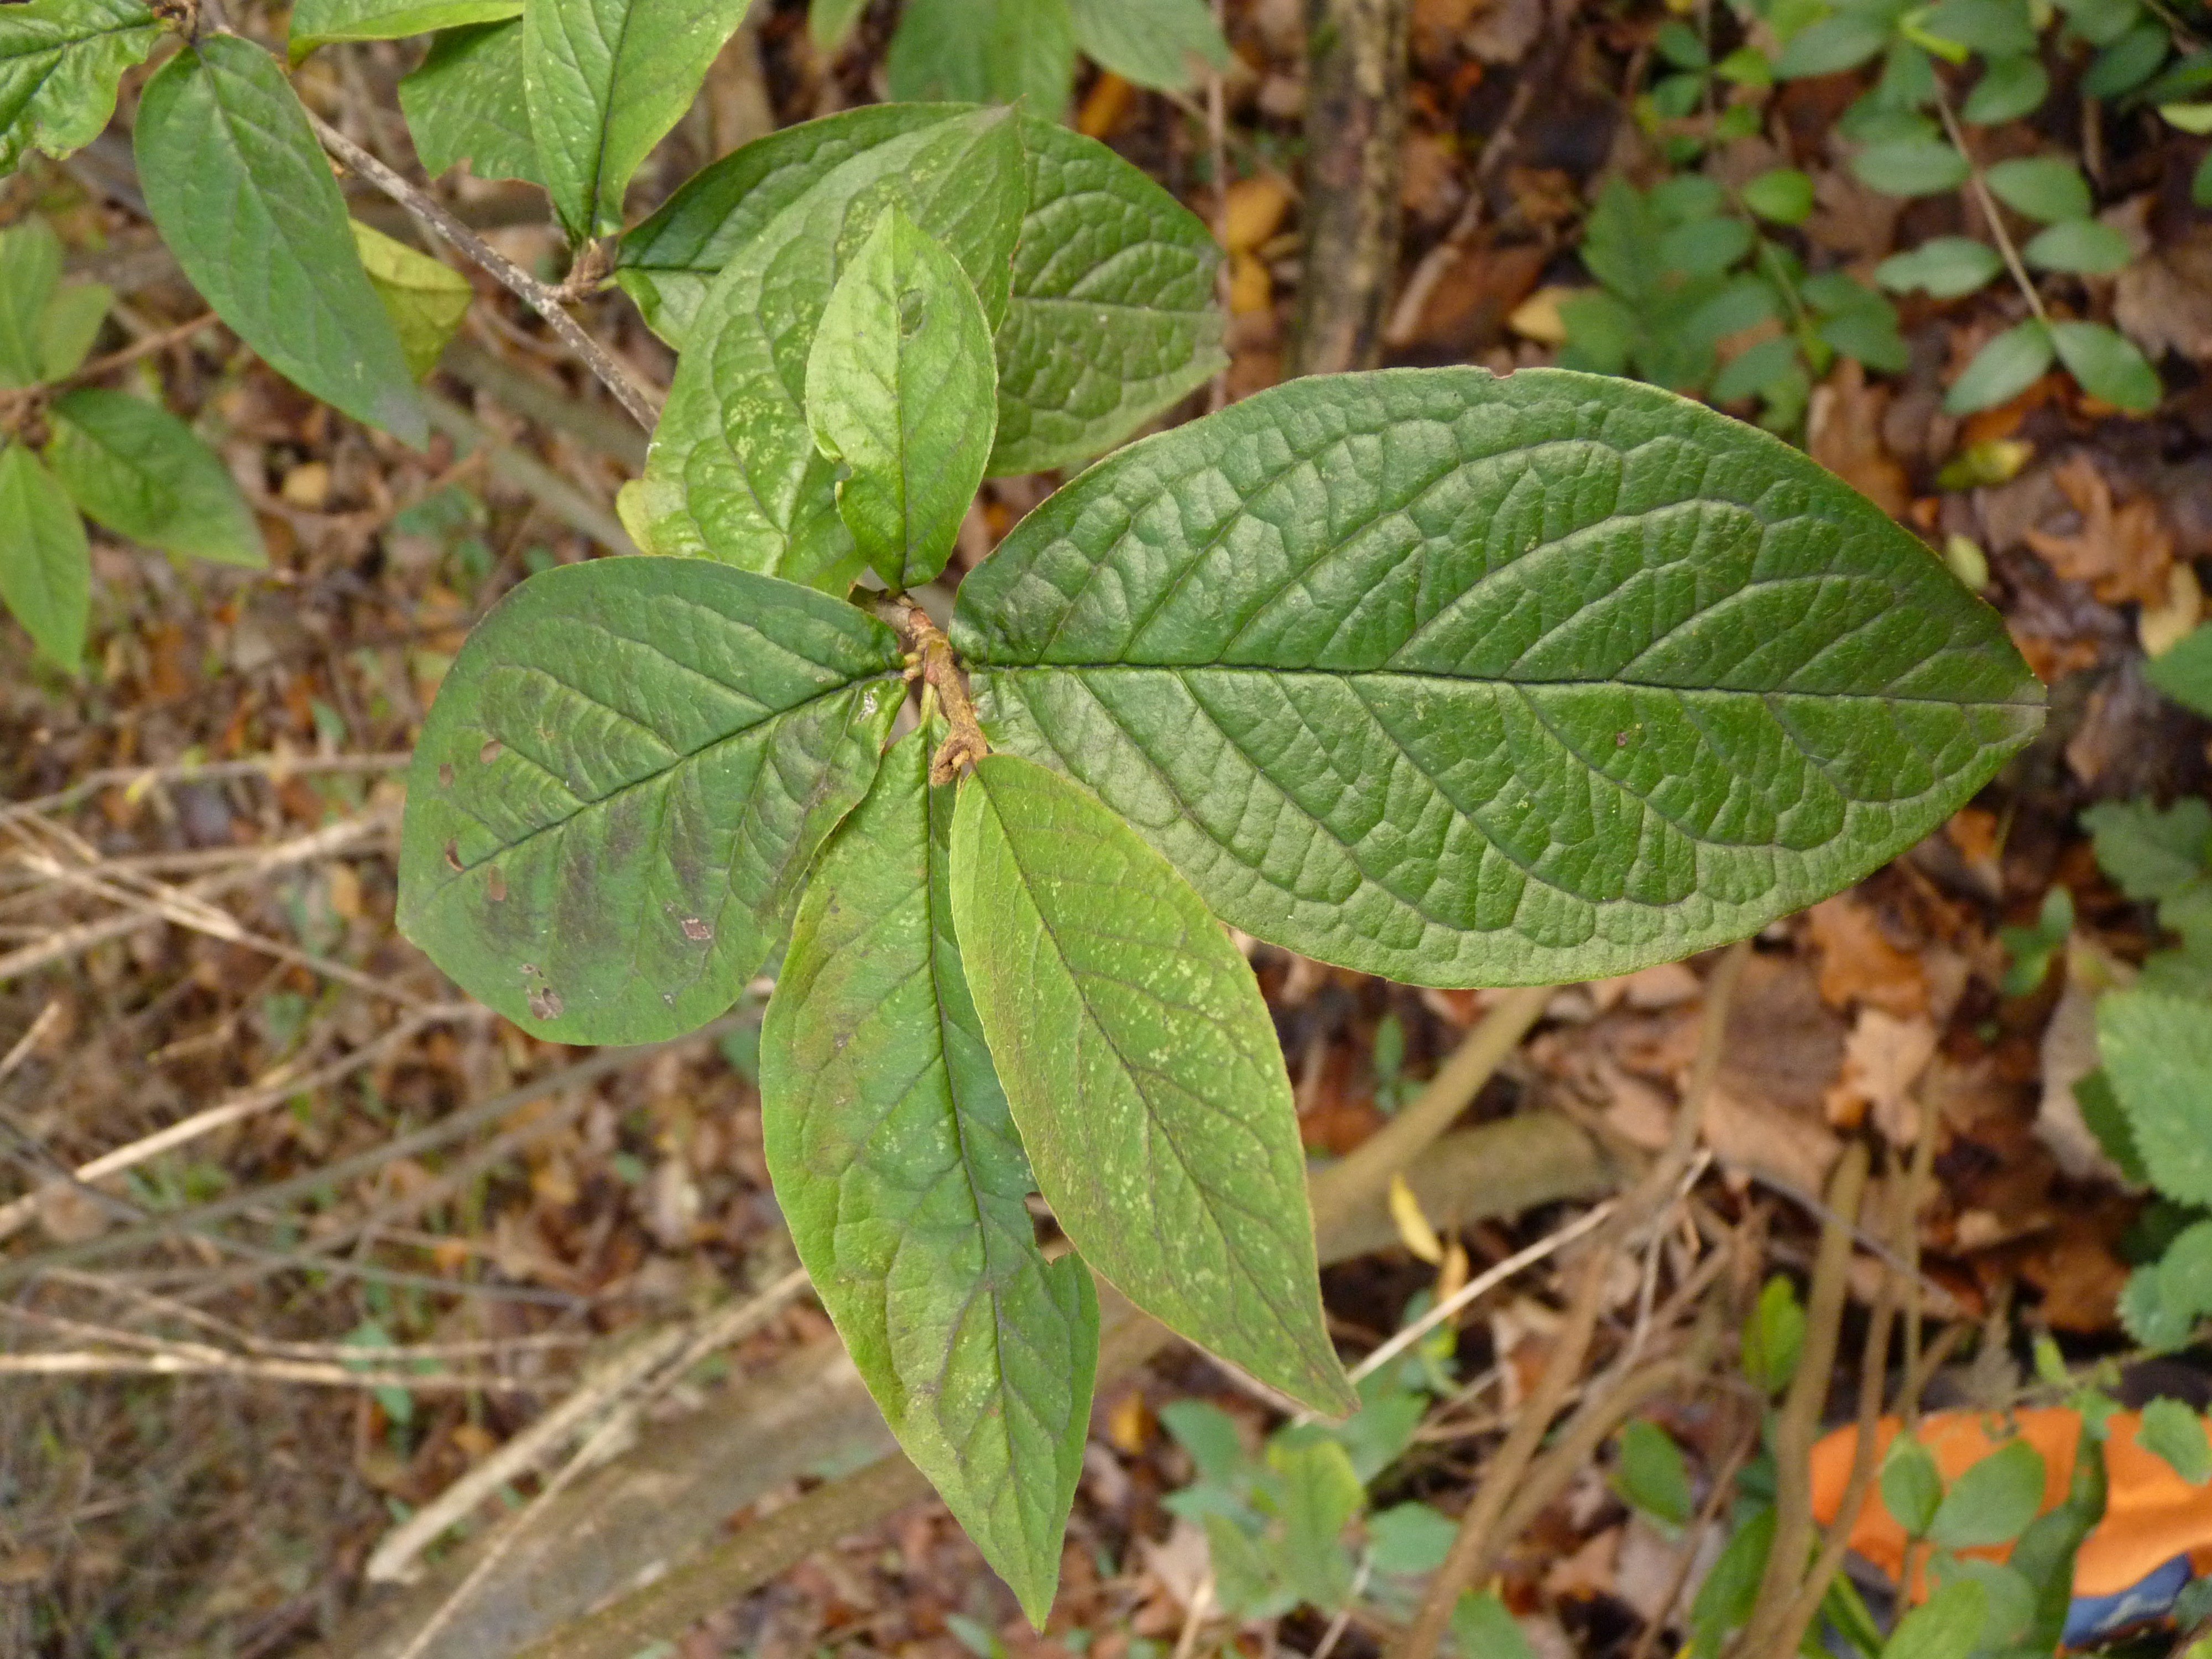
x,y
1503,30
1845,426
2122,552
1429,188
1253,212
2165,301
2078,1272
1858,963
1883,1057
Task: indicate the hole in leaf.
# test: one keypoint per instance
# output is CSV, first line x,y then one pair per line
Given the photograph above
x,y
695,929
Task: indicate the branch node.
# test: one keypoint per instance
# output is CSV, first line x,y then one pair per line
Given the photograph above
x,y
933,660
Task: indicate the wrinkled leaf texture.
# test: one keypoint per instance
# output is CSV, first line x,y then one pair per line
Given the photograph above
x,y
1143,1073
59,64
465,104
1111,315
623,779
240,192
898,1167
1462,680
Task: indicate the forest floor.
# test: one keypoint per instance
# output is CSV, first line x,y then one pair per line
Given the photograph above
x,y
237,1355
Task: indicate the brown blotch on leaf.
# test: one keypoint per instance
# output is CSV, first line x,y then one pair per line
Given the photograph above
x,y
496,884
453,854
446,774
489,752
545,1003
695,929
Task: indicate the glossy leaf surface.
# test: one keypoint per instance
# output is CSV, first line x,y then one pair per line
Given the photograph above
x,y
900,389
623,779
134,468
606,80
240,192
1111,317
1144,1072
465,104
323,23
59,64
898,1166
1466,681
46,565
734,473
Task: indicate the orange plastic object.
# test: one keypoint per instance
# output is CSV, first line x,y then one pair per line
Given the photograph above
x,y
2151,1513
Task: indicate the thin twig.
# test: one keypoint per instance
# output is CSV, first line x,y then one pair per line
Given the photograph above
x,y
546,301
277,767
1989,206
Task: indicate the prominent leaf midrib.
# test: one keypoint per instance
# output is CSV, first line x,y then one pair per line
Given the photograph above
x,y
681,759
1495,683
1152,1119
607,112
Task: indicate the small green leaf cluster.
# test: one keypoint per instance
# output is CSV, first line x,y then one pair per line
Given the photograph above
x,y
1684,267
125,463
1006,50
1906,141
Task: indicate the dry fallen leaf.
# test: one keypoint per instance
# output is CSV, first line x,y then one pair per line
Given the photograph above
x,y
2164,625
2165,301
1844,428
2122,552
1858,963
1883,1057
1253,212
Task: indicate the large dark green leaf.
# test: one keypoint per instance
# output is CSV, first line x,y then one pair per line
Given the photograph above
x,y
623,779
324,23
465,104
1473,681
733,472
46,566
1143,1073
900,389
240,189
898,1166
1112,314
984,51
59,62
138,470
606,80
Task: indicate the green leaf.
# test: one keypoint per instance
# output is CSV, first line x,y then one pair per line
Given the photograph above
x,y
69,326
1153,43
2185,671
1143,1073
2047,188
1705,247
1112,315
896,1164
2107,365
1912,1485
1321,1495
1462,680
1409,1539
2171,1431
2044,1557
324,22
2009,1599
1911,167
2151,852
2004,369
604,80
1947,1625
1781,194
134,468
2200,183
618,791
2128,61
1774,1336
1755,368
1208,1433
239,191
2101,22
46,565
902,389
1995,28
2082,245
2163,1302
1725,1599
830,21
465,104
59,64
1844,41
1651,1474
2157,1051
30,273
2009,88
1481,1628
1993,1500
978,51
2107,1120
1245,1580
1867,332
425,298
734,472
